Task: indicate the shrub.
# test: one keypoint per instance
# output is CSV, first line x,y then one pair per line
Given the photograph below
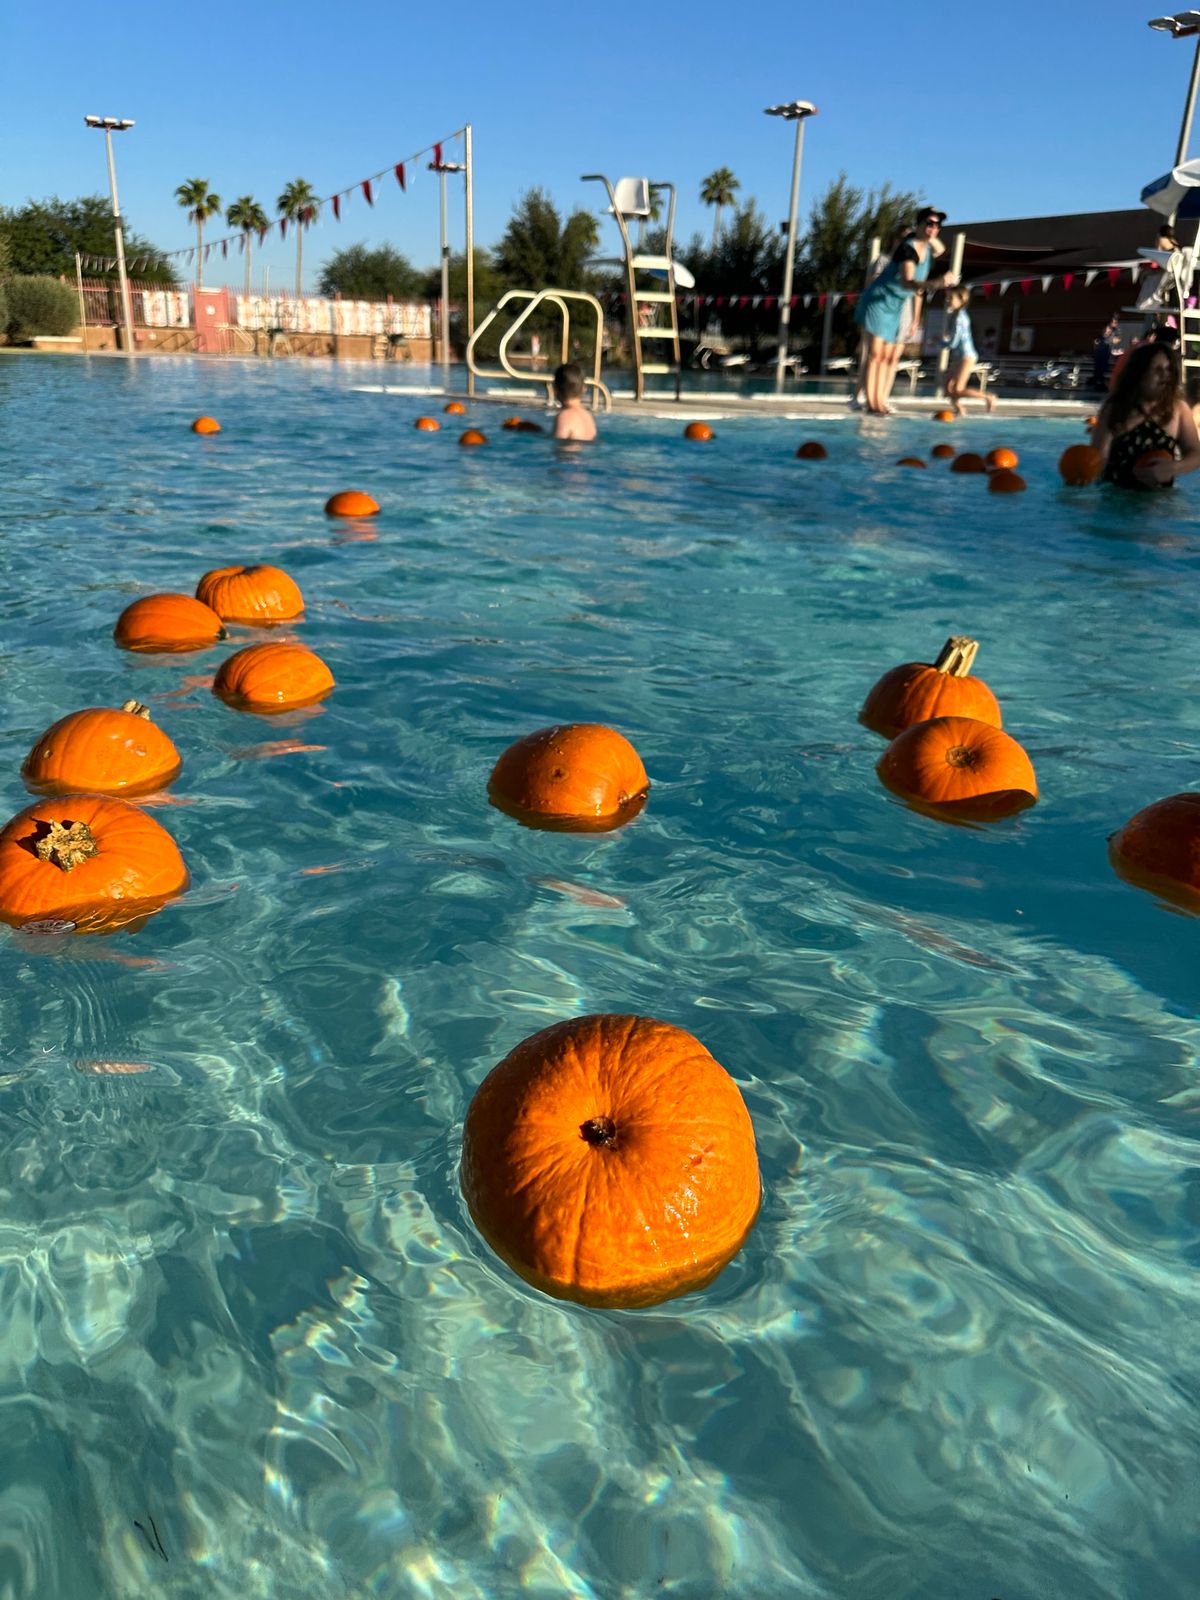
x,y
3,309
40,305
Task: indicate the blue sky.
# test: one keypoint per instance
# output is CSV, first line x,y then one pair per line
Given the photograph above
x,y
1025,108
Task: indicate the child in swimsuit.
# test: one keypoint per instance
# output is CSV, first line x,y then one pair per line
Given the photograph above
x,y
1146,431
964,357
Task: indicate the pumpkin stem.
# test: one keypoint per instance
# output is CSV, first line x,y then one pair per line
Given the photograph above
x,y
137,709
599,1131
961,755
66,844
958,655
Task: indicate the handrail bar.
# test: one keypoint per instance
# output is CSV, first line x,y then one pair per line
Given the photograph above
x,y
535,297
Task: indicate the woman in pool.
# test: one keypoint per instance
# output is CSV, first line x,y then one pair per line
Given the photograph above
x,y
881,306
1146,411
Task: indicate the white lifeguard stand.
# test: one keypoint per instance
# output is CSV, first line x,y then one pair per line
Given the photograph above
x,y
1177,194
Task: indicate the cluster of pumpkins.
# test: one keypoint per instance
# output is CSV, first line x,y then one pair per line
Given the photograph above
x,y
473,436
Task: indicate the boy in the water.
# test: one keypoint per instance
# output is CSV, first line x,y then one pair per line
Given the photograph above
x,y
574,421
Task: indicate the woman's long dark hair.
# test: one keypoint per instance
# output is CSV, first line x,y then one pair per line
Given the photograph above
x,y
1126,397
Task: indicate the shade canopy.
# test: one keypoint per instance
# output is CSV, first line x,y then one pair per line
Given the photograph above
x,y
1176,193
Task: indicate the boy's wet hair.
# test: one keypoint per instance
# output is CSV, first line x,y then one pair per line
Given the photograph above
x,y
568,381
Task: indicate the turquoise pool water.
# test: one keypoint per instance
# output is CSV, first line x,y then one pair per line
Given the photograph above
x,y
251,1344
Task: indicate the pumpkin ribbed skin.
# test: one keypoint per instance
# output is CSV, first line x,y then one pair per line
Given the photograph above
x,y
351,503
1080,464
101,751
168,622
611,1161
961,766
272,677
125,865
579,771
698,430
918,690
1159,849
257,596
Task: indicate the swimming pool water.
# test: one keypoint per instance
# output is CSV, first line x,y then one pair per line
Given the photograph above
x,y
250,1343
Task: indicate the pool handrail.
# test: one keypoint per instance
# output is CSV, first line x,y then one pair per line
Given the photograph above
x,y
535,297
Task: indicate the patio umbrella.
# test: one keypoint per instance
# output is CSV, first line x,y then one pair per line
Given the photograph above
x,y
1176,193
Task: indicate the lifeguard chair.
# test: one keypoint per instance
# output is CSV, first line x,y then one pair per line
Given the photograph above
x,y
1177,194
651,280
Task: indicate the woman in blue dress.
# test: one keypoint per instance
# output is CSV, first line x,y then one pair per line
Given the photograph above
x,y
882,305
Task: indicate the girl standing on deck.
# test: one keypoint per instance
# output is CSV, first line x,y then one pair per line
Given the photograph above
x,y
881,306
964,358
1145,413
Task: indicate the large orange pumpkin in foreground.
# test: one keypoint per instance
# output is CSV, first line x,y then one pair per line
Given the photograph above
x,y
960,767
100,751
1159,849
88,860
253,595
919,690
611,1161
1080,464
168,622
272,677
576,775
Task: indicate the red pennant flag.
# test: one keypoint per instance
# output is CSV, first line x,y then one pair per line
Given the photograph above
x,y
768,301
337,206
437,155
262,234
719,300
366,189
242,244
1026,285
985,290
743,302
1113,274
283,227
821,299
851,298
224,249
1068,279
795,301
400,175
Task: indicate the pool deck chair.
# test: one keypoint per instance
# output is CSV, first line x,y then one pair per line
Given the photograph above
x,y
651,280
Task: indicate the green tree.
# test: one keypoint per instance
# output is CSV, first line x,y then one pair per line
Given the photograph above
x,y
718,190
489,286
747,262
362,272
200,203
248,217
40,305
540,251
300,206
44,236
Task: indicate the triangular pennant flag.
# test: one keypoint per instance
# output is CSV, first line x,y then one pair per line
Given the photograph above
x,y
283,227
224,248
756,301
337,206
1026,285
262,234
719,300
838,297
743,302
795,301
1003,284
437,155
1068,279
366,189
985,289
852,298
242,245
807,300
1046,282
1089,278
1113,274
400,175
768,301
821,299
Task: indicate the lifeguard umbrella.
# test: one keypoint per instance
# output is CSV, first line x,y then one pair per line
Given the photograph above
x,y
1176,193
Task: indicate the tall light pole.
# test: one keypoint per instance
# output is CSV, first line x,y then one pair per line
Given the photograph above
x,y
796,111
1183,25
442,168
113,125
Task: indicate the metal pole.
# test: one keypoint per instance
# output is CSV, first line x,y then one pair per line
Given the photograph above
x,y
470,189
785,304
1185,127
119,231
445,307
82,300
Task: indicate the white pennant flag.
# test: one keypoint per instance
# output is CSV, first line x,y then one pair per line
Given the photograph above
x,y
1089,278
1046,282
834,298
757,301
1003,284
808,300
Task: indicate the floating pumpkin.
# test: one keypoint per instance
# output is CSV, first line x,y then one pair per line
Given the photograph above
x,y
610,1160
1149,457
578,775
1003,457
168,622
88,861
351,503
511,423
427,424
254,595
472,436
943,452
454,408
1090,422
812,450
959,767
1159,849
206,425
919,690
272,677
1080,464
910,461
944,416
526,426
968,461
698,430
1002,481
101,751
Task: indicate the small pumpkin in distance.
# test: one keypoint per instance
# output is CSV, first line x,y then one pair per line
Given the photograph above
x,y
944,416
102,751
959,767
1080,464
272,677
610,1160
918,690
472,437
968,461
351,503
454,408
910,461
577,774
511,423
427,425
526,425
812,450
168,622
943,452
256,596
206,425
1003,457
91,861
1159,849
1090,422
1003,481
699,431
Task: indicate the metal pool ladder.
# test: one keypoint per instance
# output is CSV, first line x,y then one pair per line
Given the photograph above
x,y
535,297
653,308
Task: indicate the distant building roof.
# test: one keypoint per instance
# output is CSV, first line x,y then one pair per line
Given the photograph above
x,y
1048,244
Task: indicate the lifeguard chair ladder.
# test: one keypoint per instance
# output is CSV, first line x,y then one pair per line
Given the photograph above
x,y
653,309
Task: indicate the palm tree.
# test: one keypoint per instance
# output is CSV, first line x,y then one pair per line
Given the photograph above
x,y
299,205
718,190
199,204
248,217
